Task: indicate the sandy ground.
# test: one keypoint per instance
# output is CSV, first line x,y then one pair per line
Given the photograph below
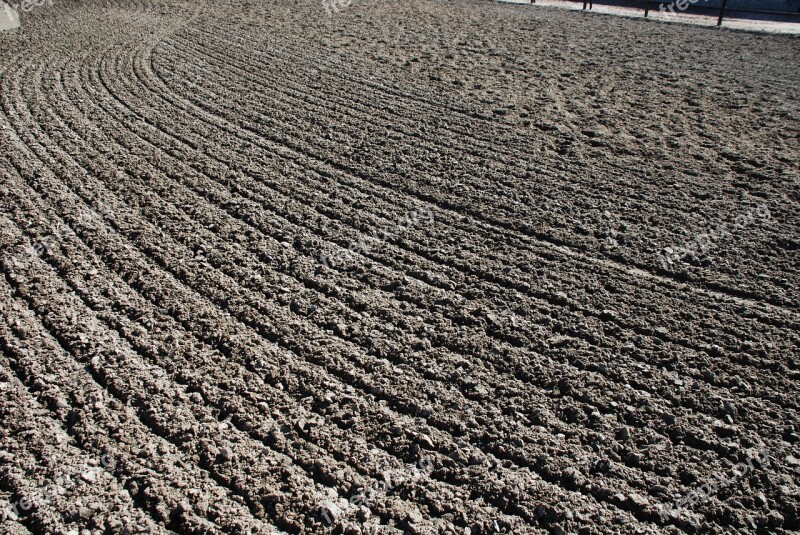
x,y
730,21
414,267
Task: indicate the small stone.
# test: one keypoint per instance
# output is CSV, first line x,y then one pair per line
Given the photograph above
x,y
414,517
608,314
363,513
775,519
668,417
425,441
329,511
85,513
90,476
572,478
623,433
660,490
792,460
224,455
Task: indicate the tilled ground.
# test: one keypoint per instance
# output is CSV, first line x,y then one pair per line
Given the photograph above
x,y
400,268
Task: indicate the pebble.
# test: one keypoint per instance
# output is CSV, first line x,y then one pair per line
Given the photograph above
x,y
660,489
224,455
363,513
425,442
775,519
638,499
414,517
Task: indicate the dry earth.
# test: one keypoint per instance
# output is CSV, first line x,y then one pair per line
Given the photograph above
x,y
186,350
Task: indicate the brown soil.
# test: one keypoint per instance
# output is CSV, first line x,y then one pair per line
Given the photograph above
x,y
179,355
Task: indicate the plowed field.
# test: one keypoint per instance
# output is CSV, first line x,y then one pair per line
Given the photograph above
x,y
415,266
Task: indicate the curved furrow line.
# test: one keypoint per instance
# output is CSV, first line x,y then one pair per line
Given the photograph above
x,y
209,291
221,477
648,332
524,208
657,418
277,374
190,202
637,275
39,447
201,434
